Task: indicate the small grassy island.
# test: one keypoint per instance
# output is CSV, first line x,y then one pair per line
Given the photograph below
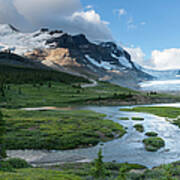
x,y
137,119
151,134
124,118
153,143
139,127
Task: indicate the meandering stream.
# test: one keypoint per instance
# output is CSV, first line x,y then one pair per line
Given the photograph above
x,y
129,148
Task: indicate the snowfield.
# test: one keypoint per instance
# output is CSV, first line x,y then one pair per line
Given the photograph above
x,y
20,43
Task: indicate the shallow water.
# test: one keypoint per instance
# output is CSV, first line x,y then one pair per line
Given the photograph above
x,y
129,148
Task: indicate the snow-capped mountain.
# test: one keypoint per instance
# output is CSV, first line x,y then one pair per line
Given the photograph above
x,y
75,53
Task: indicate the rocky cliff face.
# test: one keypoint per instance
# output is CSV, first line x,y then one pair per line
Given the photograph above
x,y
105,61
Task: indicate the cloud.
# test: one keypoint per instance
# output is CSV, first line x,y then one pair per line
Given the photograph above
x,y
10,15
67,15
161,60
137,55
166,59
91,23
121,12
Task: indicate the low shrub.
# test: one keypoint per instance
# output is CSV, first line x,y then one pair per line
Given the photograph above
x,y
153,143
18,163
6,167
151,134
139,127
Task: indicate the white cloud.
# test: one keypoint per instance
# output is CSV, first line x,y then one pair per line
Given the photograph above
x,y
166,59
121,12
161,60
67,15
137,55
90,22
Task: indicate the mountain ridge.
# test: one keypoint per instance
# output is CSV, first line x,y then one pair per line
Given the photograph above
x,y
74,54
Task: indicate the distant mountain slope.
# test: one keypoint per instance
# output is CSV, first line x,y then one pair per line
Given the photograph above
x,y
74,54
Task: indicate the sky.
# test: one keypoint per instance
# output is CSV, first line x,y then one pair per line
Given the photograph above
x,y
147,29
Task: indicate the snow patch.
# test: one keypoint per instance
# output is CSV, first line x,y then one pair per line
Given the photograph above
x,y
103,64
123,61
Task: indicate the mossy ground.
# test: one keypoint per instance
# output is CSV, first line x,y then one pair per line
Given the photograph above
x,y
57,129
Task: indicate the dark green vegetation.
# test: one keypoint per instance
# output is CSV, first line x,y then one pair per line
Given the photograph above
x,y
137,119
99,169
124,118
14,163
151,134
20,75
82,171
139,127
57,129
153,143
163,172
77,171
26,87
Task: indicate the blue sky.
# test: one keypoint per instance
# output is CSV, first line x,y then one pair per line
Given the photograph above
x,y
155,23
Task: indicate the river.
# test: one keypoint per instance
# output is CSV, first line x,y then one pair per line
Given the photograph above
x,y
129,148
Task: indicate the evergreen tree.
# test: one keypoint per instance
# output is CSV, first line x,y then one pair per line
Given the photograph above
x,y
99,169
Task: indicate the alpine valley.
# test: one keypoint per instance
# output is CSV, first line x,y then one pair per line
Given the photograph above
x,y
76,109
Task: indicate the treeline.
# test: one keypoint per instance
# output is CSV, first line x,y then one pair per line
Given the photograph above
x,y
17,75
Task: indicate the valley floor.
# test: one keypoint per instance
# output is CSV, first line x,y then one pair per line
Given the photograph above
x,y
68,128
